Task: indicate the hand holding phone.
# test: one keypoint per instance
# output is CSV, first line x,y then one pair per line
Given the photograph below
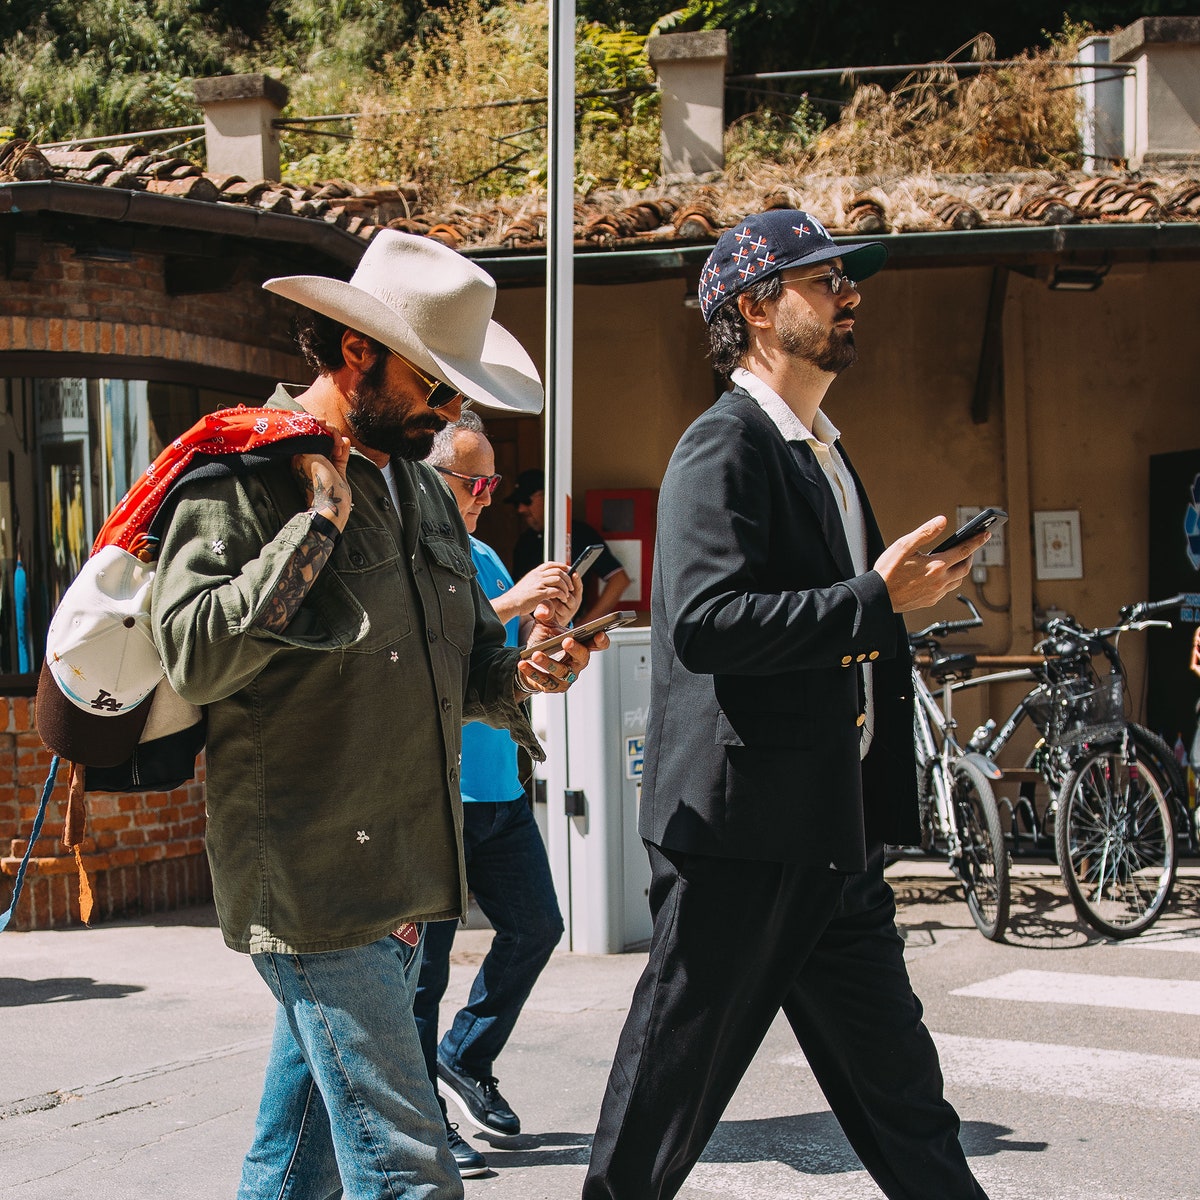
x,y
989,518
583,563
583,633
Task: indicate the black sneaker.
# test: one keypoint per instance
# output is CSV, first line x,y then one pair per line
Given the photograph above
x,y
479,1099
469,1161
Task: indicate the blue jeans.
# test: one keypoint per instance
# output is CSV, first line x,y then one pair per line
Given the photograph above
x,y
509,874
347,1107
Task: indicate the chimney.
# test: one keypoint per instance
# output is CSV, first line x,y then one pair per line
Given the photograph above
x,y
1162,94
1102,120
239,130
691,75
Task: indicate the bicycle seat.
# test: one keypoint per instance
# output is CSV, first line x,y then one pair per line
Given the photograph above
x,y
952,666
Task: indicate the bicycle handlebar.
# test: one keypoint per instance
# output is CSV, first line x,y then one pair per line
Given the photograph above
x,y
1065,636
1138,612
942,628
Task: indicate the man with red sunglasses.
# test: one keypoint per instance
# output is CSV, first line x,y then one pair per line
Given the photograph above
x,y
507,869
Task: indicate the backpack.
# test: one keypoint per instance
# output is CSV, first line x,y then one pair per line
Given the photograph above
x,y
103,704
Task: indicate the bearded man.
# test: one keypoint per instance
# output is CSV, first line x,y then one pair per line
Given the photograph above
x,y
779,752
326,614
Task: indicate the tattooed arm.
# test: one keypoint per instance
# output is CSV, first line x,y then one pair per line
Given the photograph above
x,y
324,484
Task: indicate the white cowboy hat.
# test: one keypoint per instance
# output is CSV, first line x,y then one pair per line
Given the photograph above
x,y
433,306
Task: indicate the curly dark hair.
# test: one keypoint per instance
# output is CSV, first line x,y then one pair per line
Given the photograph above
x,y
320,340
728,333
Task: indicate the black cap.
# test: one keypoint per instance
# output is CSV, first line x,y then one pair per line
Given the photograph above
x,y
528,482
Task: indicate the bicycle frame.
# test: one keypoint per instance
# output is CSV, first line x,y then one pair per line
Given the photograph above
x,y
930,717
942,747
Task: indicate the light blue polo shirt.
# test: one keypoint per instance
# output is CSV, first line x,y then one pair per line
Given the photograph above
x,y
489,756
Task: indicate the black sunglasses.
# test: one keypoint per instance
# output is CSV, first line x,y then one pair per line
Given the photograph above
x,y
477,483
440,394
833,279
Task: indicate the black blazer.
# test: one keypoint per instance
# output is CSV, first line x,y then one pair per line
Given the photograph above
x,y
758,629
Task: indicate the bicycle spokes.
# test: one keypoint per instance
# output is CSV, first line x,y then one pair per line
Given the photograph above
x,y
1116,843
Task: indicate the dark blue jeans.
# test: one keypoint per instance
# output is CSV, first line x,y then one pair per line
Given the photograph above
x,y
509,874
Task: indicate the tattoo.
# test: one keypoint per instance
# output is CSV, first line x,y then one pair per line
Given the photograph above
x,y
318,493
324,497
296,582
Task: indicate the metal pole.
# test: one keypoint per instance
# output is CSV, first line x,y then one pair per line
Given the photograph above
x,y
562,836
560,275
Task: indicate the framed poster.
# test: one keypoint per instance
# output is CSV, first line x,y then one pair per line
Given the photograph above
x,y
1058,552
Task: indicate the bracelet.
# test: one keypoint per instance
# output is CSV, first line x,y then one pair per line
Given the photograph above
x,y
325,527
522,686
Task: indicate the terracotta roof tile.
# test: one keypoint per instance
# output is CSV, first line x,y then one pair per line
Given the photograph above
x,y
669,214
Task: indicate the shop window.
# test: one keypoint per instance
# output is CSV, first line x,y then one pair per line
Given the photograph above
x,y
69,450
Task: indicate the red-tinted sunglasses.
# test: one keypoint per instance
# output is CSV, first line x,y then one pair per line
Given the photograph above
x,y
477,483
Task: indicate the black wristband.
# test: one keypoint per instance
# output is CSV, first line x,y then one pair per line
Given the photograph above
x,y
325,527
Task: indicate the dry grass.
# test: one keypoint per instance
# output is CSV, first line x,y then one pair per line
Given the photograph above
x,y
993,119
444,120
463,116
426,120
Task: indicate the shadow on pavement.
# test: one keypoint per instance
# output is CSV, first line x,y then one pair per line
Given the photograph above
x,y
14,993
536,1149
813,1143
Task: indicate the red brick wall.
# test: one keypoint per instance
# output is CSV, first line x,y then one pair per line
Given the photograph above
x,y
74,305
144,851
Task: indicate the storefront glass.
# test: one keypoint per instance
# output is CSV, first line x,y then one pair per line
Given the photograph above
x,y
69,450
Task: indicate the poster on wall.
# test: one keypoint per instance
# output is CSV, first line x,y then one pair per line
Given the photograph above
x,y
1172,689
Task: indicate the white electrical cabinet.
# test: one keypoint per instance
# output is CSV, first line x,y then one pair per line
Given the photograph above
x,y
595,740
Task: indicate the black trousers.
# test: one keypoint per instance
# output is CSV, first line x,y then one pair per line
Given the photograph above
x,y
734,942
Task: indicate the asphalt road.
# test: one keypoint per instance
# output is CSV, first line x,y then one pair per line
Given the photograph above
x,y
134,1053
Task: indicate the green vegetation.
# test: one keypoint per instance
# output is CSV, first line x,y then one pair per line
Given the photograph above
x,y
453,91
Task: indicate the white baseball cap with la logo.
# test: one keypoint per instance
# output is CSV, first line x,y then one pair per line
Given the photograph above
x,y
101,658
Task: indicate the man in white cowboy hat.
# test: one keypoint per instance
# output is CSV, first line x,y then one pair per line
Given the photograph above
x,y
325,613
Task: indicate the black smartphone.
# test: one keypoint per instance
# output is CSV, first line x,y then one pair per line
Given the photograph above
x,y
989,518
584,632
583,563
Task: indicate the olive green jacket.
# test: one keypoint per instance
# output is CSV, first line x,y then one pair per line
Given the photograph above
x,y
333,748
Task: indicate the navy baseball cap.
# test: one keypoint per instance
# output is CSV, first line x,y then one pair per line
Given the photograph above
x,y
766,243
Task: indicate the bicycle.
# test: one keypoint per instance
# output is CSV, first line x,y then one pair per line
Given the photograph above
x,y
959,815
1113,783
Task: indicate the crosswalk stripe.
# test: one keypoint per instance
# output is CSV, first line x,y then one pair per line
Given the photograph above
x,y
1155,1081
1162,941
1122,1077
1097,991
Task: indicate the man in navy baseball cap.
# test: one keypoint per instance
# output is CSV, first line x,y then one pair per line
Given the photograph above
x,y
766,243
779,758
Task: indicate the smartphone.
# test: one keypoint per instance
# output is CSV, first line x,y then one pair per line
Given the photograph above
x,y
583,563
585,632
989,518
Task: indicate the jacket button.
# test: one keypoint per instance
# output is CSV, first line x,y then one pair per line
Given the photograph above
x,y
862,658
357,559
385,504
873,655
445,704
453,774
861,720
846,660
432,636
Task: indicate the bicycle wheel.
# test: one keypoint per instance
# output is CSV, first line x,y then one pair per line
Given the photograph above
x,y
1115,841
983,863
1155,751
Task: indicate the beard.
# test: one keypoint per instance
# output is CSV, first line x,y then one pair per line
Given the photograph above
x,y
382,423
830,350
